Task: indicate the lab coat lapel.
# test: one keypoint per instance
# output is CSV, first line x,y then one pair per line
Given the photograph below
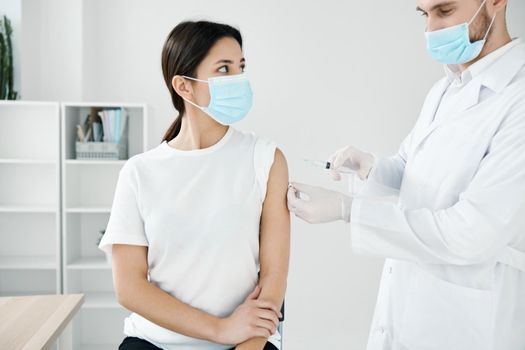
x,y
429,111
467,98
496,78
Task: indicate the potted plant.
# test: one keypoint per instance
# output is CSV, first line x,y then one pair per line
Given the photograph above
x,y
6,61
108,255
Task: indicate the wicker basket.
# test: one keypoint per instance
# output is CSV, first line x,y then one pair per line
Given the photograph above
x,y
102,150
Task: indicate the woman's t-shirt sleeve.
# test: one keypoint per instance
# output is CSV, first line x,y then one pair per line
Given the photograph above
x,y
264,154
125,225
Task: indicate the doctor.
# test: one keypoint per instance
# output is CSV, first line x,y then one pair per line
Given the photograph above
x,y
454,235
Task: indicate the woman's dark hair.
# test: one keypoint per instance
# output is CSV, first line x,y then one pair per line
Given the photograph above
x,y
185,48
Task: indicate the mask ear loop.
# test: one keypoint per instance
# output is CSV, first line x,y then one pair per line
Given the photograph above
x,y
490,27
193,103
477,12
199,80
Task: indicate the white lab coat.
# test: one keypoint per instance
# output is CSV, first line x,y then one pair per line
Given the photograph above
x,y
454,237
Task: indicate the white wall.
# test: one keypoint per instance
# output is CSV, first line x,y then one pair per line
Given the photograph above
x,y
52,50
325,74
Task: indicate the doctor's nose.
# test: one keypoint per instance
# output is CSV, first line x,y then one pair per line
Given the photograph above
x,y
434,24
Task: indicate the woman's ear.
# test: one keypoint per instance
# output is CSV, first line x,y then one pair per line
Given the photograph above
x,y
182,87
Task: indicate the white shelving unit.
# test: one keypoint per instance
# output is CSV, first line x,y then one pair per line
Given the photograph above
x,y
30,245
88,187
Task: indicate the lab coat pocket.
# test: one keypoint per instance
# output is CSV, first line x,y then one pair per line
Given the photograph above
x,y
442,315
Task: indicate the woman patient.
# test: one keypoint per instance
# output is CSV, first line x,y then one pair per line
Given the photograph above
x,y
199,227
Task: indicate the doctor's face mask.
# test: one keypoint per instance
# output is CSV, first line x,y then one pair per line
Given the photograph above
x,y
453,45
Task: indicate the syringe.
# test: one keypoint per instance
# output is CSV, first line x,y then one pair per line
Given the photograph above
x,y
327,165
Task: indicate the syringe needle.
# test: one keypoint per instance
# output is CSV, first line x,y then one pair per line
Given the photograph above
x,y
327,165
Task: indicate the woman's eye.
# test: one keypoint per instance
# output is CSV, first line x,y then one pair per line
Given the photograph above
x,y
243,68
223,69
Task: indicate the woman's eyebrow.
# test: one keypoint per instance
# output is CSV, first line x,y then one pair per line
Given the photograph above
x,y
229,61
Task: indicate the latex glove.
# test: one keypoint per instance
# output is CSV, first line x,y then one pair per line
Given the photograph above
x,y
351,157
322,205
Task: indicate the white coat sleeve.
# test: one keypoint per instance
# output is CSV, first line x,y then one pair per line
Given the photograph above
x,y
387,173
488,216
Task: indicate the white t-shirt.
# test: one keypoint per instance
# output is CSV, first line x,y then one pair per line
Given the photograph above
x,y
199,213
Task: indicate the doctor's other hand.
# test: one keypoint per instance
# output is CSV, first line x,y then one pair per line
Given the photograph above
x,y
320,206
253,318
353,158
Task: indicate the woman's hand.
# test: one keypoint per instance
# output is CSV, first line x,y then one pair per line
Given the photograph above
x,y
253,318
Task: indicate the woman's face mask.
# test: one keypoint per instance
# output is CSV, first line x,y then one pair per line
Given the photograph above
x,y
230,98
452,45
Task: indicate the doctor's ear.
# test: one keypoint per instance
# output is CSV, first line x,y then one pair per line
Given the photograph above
x,y
182,86
497,5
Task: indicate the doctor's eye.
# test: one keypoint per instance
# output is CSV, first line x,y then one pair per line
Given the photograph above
x,y
223,69
445,13
243,68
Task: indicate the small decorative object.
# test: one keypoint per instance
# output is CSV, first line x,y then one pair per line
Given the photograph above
x,y
6,61
108,255
103,135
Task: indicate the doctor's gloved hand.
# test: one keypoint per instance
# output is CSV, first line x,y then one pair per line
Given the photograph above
x,y
351,157
320,206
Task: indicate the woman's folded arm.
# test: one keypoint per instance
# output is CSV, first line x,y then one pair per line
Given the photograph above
x,y
274,248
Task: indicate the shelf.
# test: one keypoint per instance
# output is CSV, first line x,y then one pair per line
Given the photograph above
x,y
92,300
101,300
89,263
28,161
97,327
24,121
28,209
94,162
88,187
88,210
53,207
25,278
28,262
74,113
19,293
27,103
25,184
103,104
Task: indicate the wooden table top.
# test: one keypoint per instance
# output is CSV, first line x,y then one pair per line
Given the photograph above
x,y
35,321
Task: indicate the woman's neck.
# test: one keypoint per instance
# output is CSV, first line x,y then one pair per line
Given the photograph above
x,y
198,131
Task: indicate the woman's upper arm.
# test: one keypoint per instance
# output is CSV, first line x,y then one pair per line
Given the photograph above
x,y
275,219
130,268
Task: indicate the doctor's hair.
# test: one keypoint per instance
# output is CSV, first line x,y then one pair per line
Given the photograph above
x,y
184,49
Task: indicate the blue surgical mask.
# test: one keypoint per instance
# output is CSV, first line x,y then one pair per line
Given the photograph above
x,y
452,45
230,98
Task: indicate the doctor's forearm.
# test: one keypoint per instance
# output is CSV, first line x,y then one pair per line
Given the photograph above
x,y
388,171
159,307
459,235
